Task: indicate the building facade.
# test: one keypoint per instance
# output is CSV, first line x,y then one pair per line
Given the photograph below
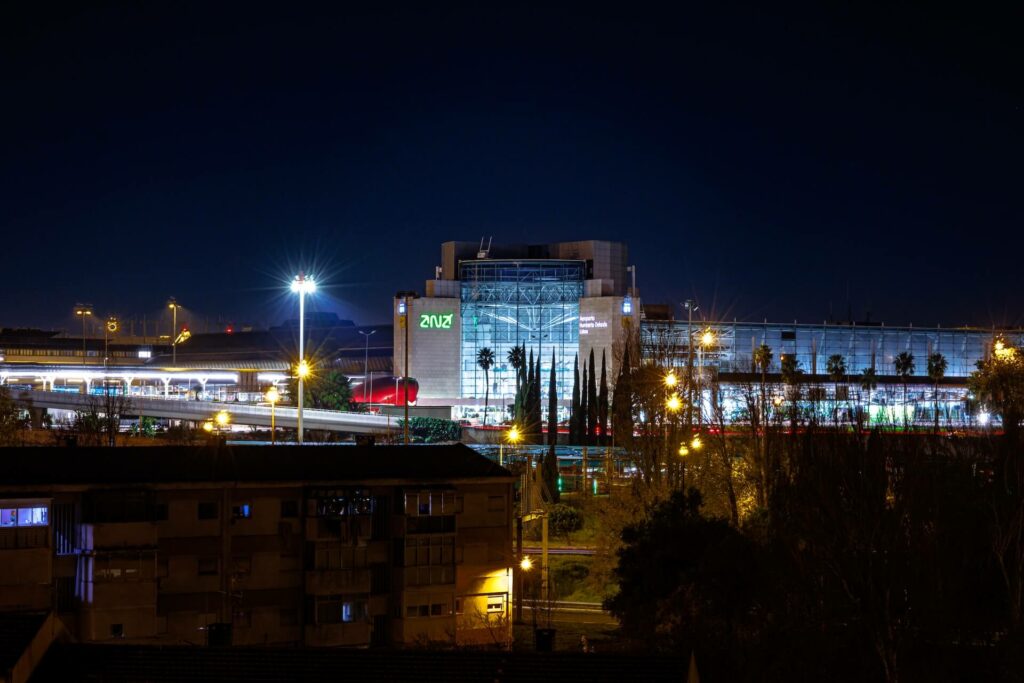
x,y
726,362
353,546
557,301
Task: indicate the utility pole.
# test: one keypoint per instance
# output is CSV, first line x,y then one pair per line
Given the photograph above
x,y
366,363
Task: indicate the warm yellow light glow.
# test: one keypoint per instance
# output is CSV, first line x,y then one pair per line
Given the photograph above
x,y
272,395
671,380
673,403
526,564
302,371
513,435
696,444
707,339
222,418
777,400
207,426
1003,352
683,450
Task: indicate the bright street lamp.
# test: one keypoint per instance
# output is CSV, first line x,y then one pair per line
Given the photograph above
x,y
671,379
696,444
302,286
526,564
272,396
673,403
222,418
683,450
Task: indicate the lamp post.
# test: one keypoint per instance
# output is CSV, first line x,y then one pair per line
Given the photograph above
x,y
110,328
366,362
272,397
707,339
172,304
690,307
403,319
302,286
83,311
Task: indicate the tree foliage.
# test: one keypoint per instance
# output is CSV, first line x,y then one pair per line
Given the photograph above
x,y
326,389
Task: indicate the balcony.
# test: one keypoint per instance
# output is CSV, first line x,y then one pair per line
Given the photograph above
x,y
326,635
107,536
334,581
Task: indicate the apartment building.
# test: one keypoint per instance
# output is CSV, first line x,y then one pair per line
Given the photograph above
x,y
317,546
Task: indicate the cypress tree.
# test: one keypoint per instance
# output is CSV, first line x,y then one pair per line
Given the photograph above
x,y
602,403
591,401
551,460
538,405
528,398
574,412
622,403
584,411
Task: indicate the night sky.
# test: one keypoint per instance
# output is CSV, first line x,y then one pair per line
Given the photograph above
x,y
788,164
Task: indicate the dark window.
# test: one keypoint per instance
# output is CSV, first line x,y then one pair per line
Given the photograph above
x,y
788,334
289,509
207,511
207,566
117,630
289,616
160,512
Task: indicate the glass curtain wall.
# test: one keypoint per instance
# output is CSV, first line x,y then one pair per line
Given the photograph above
x,y
514,303
860,346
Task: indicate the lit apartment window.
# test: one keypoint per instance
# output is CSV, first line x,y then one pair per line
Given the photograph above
x,y
333,609
495,603
23,516
241,511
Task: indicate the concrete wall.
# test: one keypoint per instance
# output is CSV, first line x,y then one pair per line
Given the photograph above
x,y
433,353
603,327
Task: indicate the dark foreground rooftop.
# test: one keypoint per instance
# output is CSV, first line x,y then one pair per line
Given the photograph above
x,y
64,662
59,466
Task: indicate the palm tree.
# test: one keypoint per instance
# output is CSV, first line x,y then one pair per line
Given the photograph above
x,y
791,372
485,359
868,382
836,366
762,360
936,371
517,359
904,366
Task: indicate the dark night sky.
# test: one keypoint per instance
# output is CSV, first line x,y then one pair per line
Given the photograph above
x,y
766,161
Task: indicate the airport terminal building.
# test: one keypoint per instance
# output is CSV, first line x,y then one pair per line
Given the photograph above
x,y
561,300
558,300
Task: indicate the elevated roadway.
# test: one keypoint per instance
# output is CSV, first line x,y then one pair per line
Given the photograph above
x,y
241,413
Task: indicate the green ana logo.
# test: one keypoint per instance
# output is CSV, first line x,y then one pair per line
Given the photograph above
x,y
436,321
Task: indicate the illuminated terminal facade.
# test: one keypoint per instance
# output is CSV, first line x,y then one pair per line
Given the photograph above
x,y
558,301
562,300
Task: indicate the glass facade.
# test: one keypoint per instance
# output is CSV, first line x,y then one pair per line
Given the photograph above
x,y
730,348
506,304
861,346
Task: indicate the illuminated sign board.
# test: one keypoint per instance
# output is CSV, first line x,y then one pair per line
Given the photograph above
x,y
436,321
589,322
